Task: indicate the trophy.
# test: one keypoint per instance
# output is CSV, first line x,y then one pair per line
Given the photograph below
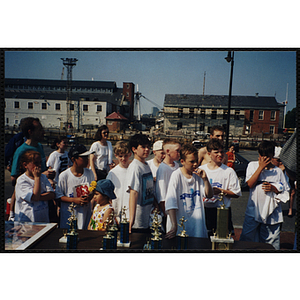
x,y
124,230
156,226
72,235
112,229
221,240
108,239
147,246
182,237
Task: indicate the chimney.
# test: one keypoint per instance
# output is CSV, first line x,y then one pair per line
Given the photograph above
x,y
256,95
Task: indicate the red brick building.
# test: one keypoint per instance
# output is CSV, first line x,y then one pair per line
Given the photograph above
x,y
116,122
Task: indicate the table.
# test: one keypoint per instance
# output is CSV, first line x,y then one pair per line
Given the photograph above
x,y
91,241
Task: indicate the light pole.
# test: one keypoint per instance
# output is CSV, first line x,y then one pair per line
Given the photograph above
x,y
229,58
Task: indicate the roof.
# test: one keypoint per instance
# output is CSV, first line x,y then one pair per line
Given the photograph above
x,y
190,100
115,116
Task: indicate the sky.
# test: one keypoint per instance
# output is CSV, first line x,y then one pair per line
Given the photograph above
x,y
269,73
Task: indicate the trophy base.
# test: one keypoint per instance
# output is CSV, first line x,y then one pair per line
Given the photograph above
x,y
221,244
63,240
124,245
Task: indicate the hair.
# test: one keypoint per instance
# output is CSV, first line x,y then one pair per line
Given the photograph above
x,y
57,140
98,134
121,147
28,157
27,124
188,149
216,128
214,144
266,148
139,139
170,141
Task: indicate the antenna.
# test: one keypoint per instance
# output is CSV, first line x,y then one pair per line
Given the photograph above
x,y
62,73
204,82
285,103
137,97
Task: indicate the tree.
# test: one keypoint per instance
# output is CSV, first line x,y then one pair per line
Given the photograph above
x,y
290,118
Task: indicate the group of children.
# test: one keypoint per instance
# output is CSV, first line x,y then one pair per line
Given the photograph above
x,y
174,182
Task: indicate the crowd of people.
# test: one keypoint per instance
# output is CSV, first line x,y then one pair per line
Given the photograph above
x,y
180,181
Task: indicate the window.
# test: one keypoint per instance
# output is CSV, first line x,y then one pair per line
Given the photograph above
x,y
191,113
30,105
180,113
71,106
201,126
237,115
272,129
127,94
7,120
273,115
99,107
261,115
202,114
179,125
251,115
214,114
16,122
17,104
57,106
44,105
85,107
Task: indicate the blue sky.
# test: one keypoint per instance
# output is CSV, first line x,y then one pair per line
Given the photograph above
x,y
168,72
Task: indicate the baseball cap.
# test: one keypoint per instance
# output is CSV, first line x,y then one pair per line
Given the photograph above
x,y
79,150
106,187
277,152
158,145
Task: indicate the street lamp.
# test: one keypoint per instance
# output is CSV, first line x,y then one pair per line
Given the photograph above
x,y
229,59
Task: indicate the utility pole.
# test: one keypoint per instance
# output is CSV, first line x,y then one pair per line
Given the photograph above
x,y
69,63
204,82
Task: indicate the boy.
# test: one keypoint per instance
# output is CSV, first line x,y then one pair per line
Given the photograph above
x,y
186,189
73,185
267,183
159,155
171,148
118,176
223,179
140,184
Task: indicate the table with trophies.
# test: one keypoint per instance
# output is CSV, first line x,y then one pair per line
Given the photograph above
x,y
118,238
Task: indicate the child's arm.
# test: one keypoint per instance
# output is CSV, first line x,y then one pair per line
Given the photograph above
x,y
133,198
172,233
92,165
263,161
36,192
47,196
82,200
207,186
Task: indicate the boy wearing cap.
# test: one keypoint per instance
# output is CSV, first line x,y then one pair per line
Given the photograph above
x,y
102,196
159,156
73,185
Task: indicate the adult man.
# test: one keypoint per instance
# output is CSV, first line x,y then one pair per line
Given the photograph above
x,y
216,132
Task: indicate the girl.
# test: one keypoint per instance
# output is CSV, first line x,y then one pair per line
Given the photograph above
x,y
59,160
101,160
103,194
33,190
231,156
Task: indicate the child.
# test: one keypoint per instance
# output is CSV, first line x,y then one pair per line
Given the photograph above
x,y
159,156
171,149
231,156
118,176
59,160
186,189
102,196
268,187
73,185
223,179
140,184
33,190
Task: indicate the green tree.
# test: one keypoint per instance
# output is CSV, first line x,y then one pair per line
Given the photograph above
x,y
290,118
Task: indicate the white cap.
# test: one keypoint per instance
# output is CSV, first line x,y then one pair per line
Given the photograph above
x,y
157,145
277,152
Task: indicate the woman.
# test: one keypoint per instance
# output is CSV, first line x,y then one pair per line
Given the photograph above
x,y
101,160
231,156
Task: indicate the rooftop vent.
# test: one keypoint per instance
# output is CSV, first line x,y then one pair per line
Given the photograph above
x,y
256,95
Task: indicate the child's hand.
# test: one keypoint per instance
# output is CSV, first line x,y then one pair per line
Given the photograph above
x,y
216,190
263,161
201,173
172,233
36,171
82,200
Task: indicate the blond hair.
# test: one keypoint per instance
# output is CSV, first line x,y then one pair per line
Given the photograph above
x,y
121,147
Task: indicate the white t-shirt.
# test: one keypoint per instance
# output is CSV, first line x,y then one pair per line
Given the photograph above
x,y
225,178
27,210
153,167
163,175
140,179
257,196
103,155
118,176
67,185
59,162
185,195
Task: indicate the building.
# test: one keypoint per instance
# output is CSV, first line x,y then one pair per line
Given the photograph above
x,y
91,101
116,122
249,115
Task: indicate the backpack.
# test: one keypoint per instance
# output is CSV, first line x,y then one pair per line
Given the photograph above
x,y
16,141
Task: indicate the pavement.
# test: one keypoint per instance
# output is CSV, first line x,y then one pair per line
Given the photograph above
x,y
238,206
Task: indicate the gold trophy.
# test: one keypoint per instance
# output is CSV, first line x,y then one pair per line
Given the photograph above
x,y
156,226
222,240
123,240
112,228
72,235
108,241
182,237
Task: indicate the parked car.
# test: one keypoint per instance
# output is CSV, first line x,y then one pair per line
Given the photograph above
x,y
240,166
198,144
